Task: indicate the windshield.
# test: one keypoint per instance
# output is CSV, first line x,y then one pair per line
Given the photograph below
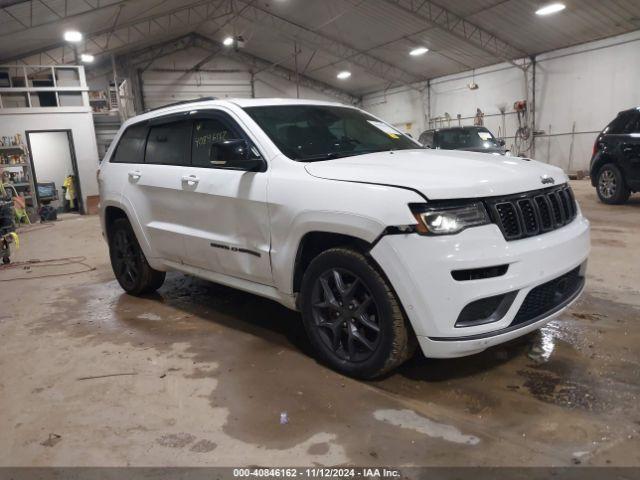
x,y
461,138
317,132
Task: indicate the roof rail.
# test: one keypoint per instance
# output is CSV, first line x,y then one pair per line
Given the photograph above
x,y
182,102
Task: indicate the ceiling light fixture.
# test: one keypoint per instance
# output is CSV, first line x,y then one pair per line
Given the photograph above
x,y
87,58
551,8
72,36
344,75
418,51
228,41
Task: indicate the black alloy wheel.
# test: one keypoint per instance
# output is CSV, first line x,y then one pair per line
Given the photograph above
x,y
352,316
126,259
130,266
345,315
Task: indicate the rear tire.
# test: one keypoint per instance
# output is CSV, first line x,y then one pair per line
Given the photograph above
x,y
611,186
352,316
128,262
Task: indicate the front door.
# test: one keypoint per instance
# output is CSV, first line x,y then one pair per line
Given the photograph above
x,y
227,217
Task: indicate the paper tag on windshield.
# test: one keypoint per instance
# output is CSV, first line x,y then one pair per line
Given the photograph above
x,y
484,135
385,128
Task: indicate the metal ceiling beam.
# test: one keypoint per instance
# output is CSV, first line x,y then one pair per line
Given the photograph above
x,y
464,30
30,21
257,64
143,58
316,41
183,19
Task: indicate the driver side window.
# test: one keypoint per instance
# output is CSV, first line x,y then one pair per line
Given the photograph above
x,y
206,133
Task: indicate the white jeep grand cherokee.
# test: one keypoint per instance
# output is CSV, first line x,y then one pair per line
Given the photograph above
x,y
381,244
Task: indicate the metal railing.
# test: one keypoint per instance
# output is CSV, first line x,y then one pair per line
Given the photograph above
x,y
43,86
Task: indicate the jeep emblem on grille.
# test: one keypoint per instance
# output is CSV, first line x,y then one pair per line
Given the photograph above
x,y
546,179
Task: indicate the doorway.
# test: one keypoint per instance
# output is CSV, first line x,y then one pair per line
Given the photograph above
x,y
55,170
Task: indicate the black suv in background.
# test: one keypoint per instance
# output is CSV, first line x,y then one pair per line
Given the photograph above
x,y
615,163
474,139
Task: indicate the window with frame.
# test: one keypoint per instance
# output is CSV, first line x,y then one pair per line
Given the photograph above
x,y
130,148
168,144
206,133
619,124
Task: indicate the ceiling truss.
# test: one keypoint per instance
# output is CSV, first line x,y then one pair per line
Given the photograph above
x,y
462,29
184,19
316,41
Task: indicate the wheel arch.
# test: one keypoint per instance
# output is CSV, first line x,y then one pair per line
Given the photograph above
x,y
112,211
600,161
315,242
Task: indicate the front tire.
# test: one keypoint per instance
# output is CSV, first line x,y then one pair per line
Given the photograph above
x,y
611,186
128,262
352,316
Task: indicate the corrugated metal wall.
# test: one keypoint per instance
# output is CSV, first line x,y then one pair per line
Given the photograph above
x,y
162,87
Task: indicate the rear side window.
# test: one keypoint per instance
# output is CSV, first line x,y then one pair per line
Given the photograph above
x,y
426,139
633,126
130,149
168,144
623,123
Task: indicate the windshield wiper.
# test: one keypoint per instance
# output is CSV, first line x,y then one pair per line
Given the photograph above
x,y
332,155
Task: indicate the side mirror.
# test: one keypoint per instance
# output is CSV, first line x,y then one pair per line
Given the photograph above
x,y
234,154
501,142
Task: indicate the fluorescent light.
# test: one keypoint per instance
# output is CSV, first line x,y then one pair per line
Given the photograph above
x,y
87,58
551,8
344,75
418,51
72,36
228,41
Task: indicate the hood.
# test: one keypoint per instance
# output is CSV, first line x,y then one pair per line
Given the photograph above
x,y
442,174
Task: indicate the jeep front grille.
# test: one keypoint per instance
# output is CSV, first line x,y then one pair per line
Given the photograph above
x,y
532,213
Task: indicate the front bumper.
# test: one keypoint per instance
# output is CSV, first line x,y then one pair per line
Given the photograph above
x,y
419,269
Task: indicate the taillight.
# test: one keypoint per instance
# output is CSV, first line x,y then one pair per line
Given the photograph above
x,y
595,148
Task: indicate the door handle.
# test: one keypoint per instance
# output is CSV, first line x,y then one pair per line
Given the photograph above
x,y
190,180
135,175
627,149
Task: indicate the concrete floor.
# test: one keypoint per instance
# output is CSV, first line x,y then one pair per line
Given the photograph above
x,y
199,374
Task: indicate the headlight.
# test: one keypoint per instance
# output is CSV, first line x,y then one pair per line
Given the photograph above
x,y
448,219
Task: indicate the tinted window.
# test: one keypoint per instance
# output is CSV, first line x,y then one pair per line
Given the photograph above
x,y
619,124
206,133
458,138
318,132
130,149
426,139
633,125
168,144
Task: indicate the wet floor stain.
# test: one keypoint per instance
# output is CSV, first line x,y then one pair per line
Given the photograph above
x,y
204,446
551,388
176,440
258,354
411,420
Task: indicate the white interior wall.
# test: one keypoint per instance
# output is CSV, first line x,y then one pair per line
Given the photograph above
x,y
84,139
586,84
51,157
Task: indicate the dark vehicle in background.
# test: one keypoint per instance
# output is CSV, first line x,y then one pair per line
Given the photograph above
x,y
474,139
615,163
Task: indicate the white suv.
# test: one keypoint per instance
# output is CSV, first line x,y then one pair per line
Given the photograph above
x,y
381,244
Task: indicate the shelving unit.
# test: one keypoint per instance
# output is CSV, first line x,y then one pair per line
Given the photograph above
x,y
20,169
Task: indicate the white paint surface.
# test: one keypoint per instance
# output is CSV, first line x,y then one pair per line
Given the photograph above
x,y
411,420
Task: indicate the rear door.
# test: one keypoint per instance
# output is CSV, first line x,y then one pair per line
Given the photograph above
x,y
630,150
154,187
227,227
